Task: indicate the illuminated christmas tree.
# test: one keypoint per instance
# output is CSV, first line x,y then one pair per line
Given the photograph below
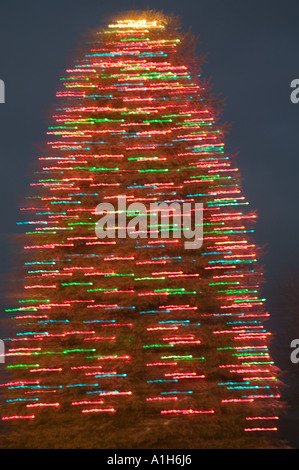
x,y
139,342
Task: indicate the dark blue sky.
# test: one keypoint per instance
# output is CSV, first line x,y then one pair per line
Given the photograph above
x,y
252,58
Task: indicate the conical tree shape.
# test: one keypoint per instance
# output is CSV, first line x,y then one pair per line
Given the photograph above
x,y
139,342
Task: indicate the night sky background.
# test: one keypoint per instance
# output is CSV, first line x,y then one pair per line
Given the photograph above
x,y
252,58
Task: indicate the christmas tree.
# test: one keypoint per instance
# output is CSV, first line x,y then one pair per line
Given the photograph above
x,y
126,338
